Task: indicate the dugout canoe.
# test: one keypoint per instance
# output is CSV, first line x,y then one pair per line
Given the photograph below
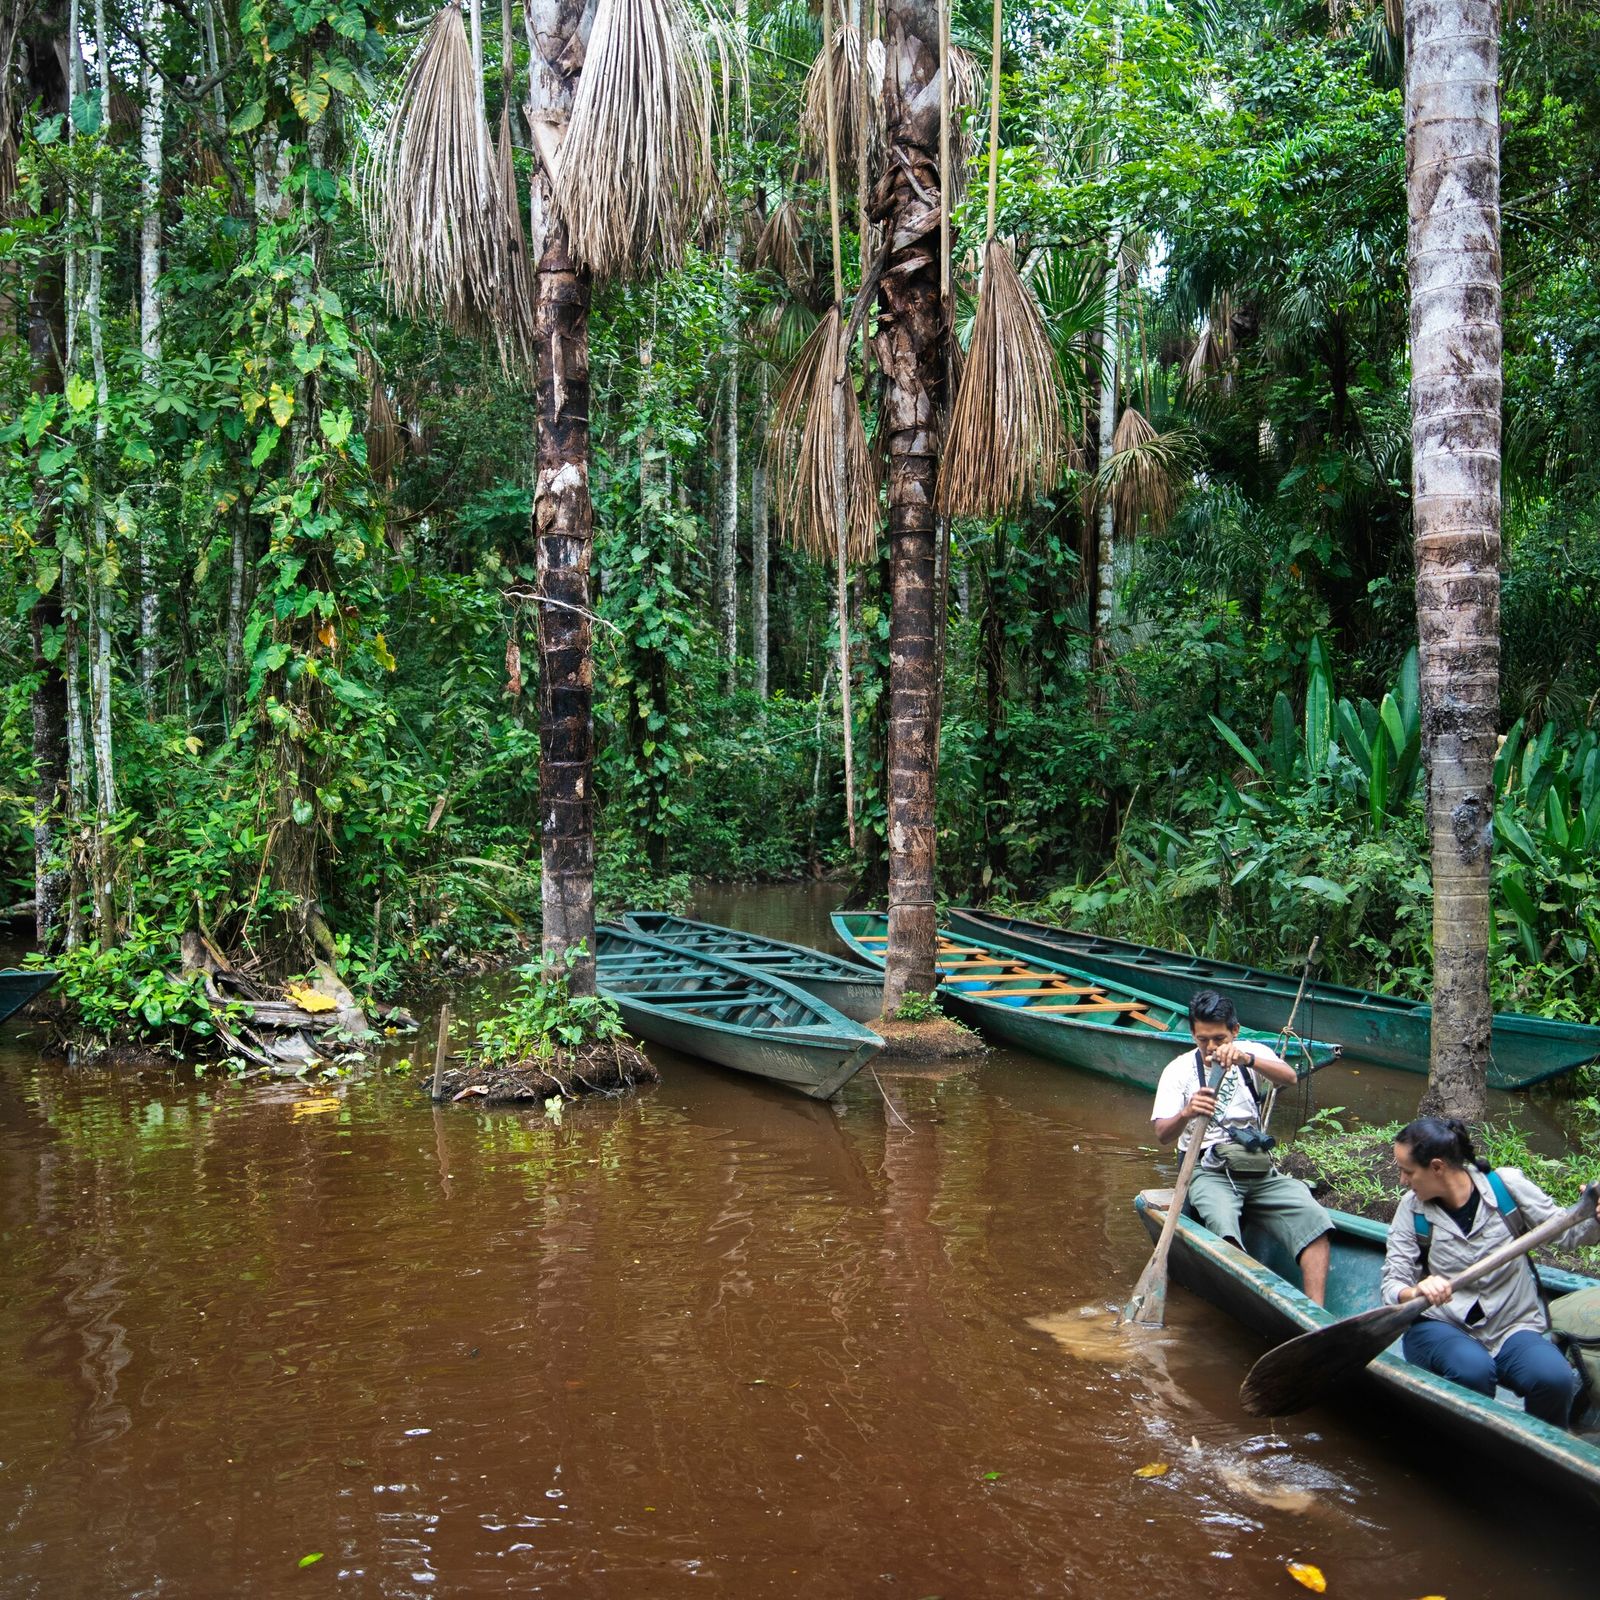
x,y
704,1006
1056,1011
1384,1028
17,988
1264,1294
851,988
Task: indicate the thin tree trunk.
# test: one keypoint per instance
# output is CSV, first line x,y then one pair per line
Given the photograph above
x,y
47,84
1453,195
233,656
150,321
1105,564
911,356
213,67
563,525
100,605
728,530
759,547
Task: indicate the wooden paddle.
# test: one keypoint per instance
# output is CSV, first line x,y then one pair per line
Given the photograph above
x,y
1293,1376
1147,1308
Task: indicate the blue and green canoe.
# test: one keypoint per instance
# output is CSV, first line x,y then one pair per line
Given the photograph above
x,y
1384,1028
1059,1012
1264,1294
703,1006
17,988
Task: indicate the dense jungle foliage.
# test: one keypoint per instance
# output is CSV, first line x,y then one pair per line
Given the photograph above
x,y
290,542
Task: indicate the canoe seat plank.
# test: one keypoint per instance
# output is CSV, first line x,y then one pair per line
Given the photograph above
x,y
1048,989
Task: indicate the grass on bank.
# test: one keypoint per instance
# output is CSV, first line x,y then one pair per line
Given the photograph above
x,y
1352,1169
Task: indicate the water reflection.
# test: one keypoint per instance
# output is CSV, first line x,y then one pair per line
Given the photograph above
x,y
710,1339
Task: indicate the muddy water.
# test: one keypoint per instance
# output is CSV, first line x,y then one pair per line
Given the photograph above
x,y
713,1339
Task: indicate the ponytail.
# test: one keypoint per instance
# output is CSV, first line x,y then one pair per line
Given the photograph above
x,y
1431,1139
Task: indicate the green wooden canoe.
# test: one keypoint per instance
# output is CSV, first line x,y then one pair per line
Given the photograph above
x,y
1377,1027
704,1006
1265,1295
17,988
849,987
1058,1012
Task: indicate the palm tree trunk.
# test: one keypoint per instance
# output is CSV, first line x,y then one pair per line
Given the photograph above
x,y
759,548
150,322
911,349
563,520
1453,195
1105,562
98,588
728,530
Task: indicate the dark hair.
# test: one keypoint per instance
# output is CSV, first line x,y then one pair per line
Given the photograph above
x,y
1431,1139
1209,1006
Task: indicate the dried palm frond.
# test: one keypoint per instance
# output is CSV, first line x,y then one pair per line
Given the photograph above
x,y
782,247
635,177
846,58
1006,440
966,77
1144,473
431,200
383,433
514,314
802,455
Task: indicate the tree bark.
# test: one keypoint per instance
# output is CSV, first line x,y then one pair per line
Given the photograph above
x,y
150,320
98,588
910,348
563,520
1105,562
1453,195
760,575
728,530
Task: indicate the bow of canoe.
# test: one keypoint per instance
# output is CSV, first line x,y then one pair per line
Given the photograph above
x,y
18,987
747,1020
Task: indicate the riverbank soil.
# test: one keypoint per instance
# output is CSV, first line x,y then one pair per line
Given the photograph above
x,y
609,1066
932,1042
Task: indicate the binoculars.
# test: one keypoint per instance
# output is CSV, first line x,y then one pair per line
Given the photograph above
x,y
1252,1139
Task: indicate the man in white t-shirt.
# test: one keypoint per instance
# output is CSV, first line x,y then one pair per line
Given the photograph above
x,y
1224,1198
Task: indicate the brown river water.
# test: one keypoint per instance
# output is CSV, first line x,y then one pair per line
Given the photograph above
x,y
711,1339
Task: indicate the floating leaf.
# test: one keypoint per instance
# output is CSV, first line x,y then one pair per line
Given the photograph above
x,y
309,999
317,1106
1156,1469
310,1560
1308,1576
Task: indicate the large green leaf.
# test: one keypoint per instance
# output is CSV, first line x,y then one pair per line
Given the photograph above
x,y
1284,750
1238,746
1319,709
1378,784
1357,741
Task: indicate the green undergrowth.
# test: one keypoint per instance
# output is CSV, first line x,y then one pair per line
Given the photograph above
x,y
1352,1168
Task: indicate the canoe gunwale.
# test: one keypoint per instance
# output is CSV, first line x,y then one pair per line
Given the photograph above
x,y
1566,1045
1208,1265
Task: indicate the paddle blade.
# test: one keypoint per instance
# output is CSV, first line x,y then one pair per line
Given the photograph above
x,y
1147,1306
1300,1372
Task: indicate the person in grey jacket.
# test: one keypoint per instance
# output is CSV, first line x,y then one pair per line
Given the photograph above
x,y
1493,1332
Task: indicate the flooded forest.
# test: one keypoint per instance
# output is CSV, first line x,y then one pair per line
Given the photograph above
x,y
662,665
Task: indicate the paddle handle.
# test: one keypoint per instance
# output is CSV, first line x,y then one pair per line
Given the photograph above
x,y
1531,1240
1197,1136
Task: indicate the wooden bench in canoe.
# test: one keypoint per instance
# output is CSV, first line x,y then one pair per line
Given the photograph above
x,y
737,1016
1052,1010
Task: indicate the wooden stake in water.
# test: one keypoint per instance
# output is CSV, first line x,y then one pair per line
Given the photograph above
x,y
439,1051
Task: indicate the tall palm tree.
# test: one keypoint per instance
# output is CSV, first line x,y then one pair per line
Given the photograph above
x,y
911,347
1453,199
563,517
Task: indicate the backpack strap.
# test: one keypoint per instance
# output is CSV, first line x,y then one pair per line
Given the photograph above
x,y
1504,1202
